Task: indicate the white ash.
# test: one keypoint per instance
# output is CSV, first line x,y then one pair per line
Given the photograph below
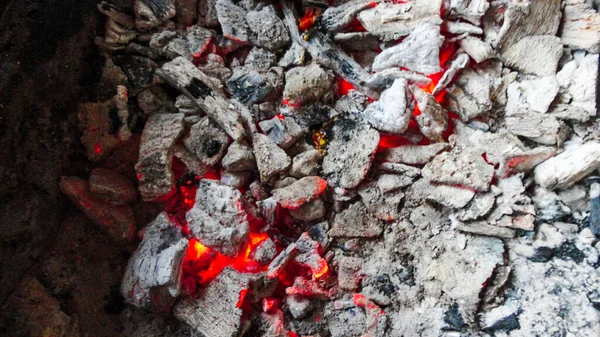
x,y
456,65
418,52
449,196
298,305
458,27
538,127
479,207
579,78
391,182
531,95
544,62
581,26
414,154
310,211
477,49
471,11
338,17
237,180
393,110
469,95
569,167
299,192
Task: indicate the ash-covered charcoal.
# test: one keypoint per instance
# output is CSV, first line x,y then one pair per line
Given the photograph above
x,y
237,180
580,77
217,219
260,59
349,272
544,62
383,79
277,266
383,205
460,27
540,128
307,83
206,92
268,30
469,95
216,311
523,222
117,221
471,10
207,142
483,228
111,187
477,49
264,252
155,176
152,13
283,131
312,115
420,51
569,167
270,158
306,164
156,263
215,67
233,21
350,153
414,154
449,196
458,63
480,206
581,26
310,211
357,41
391,21
249,86
355,222
300,192
239,158
299,306
433,119
190,44
307,287
594,219
294,56
460,167
339,17
391,182
392,112
400,169
345,321
531,95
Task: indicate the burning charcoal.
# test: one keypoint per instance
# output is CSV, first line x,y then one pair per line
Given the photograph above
x,y
296,194
481,205
476,48
298,305
207,142
349,272
531,95
569,167
465,168
155,177
237,180
471,11
544,62
525,161
433,120
306,164
357,41
260,59
117,221
580,26
283,131
336,18
269,31
207,13
355,222
414,154
392,112
216,219
537,17
391,22
393,182
155,100
310,211
111,187
426,216
205,92
312,260
540,128
350,153
35,312
579,77
156,263
258,191
249,86
449,196
233,21
469,96
268,210
457,64
345,321
96,124
277,266
308,83
308,288
270,158
239,157
376,320
419,52
482,228
458,28
152,13
384,206
216,311
294,56
595,208
264,252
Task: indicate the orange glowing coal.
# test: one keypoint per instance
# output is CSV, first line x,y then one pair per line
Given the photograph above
x,y
308,20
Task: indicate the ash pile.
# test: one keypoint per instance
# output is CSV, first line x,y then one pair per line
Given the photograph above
x,y
352,168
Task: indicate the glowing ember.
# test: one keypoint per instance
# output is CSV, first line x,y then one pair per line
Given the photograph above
x,y
309,18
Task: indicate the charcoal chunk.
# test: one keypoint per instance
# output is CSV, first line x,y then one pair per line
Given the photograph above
x,y
270,158
269,31
249,86
207,142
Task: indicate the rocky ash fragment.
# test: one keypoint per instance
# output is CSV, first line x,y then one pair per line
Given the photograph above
x,y
217,219
270,158
117,221
216,311
156,263
156,179
569,167
300,192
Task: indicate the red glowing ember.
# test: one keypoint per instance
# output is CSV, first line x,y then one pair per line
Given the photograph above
x,y
309,18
